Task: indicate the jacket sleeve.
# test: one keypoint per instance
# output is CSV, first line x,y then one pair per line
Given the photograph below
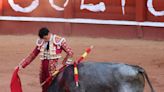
x,y
68,50
26,61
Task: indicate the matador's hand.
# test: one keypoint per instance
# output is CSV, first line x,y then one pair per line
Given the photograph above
x,y
20,66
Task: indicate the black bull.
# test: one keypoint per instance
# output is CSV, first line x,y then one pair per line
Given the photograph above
x,y
101,77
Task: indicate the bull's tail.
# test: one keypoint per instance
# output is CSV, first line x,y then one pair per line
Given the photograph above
x,y
141,70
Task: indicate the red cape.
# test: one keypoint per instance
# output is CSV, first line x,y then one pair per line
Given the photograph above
x,y
15,84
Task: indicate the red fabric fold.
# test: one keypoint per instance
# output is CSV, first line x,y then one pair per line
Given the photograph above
x,y
15,84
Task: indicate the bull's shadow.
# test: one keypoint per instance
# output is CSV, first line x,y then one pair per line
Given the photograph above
x,y
101,77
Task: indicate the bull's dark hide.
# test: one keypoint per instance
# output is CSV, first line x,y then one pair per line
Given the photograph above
x,y
101,77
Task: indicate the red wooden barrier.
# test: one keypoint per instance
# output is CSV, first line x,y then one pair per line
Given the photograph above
x,y
1,5
135,10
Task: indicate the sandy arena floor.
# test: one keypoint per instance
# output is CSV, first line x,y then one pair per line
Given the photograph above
x,y
148,54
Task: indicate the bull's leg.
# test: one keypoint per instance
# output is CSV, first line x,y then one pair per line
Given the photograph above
x,y
129,87
125,87
129,79
133,85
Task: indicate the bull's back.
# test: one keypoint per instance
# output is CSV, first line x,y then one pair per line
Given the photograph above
x,y
104,77
111,76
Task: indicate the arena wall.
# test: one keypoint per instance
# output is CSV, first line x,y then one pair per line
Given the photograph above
x,y
142,19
